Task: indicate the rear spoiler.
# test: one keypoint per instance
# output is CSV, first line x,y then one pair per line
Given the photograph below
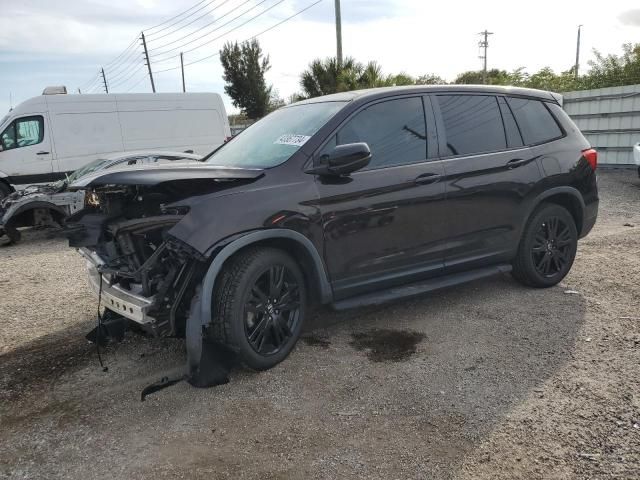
x,y
557,97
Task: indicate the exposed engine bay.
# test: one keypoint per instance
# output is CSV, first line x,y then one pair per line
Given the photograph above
x,y
123,231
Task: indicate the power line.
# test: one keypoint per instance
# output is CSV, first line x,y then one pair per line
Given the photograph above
x,y
204,26
135,40
208,12
175,16
144,77
126,79
250,38
125,62
90,82
182,19
216,29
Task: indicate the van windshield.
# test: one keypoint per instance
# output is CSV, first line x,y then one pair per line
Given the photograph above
x,y
274,139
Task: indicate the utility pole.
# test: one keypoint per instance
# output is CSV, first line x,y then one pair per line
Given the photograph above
x,y
104,81
146,56
182,68
79,91
338,32
484,43
577,67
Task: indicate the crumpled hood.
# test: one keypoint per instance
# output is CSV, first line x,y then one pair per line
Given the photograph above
x,y
150,175
30,191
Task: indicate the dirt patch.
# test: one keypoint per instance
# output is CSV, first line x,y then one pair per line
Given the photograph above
x,y
387,345
316,341
509,382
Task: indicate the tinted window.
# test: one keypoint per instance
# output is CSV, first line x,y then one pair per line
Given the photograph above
x,y
394,130
535,122
510,128
23,132
472,124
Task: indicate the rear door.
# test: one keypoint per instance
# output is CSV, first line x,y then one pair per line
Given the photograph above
x,y
384,225
489,172
26,150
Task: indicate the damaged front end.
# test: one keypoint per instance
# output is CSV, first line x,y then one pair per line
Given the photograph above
x,y
141,271
138,269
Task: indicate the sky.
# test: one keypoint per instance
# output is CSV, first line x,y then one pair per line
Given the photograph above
x,y
66,42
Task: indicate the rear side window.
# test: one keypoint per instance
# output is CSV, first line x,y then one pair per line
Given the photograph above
x,y
510,128
472,124
536,123
395,131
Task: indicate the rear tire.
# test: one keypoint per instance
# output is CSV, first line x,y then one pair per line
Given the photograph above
x,y
259,307
547,248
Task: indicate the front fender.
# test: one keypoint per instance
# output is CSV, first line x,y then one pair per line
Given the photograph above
x,y
208,282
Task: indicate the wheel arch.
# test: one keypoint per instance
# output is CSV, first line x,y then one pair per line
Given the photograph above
x,y
291,242
567,197
15,216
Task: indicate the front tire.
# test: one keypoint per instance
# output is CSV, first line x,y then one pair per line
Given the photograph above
x,y
547,248
259,306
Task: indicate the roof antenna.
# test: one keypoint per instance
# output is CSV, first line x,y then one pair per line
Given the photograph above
x,y
10,101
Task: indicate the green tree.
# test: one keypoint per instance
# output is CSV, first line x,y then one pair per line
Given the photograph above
x,y
430,79
613,70
324,77
244,68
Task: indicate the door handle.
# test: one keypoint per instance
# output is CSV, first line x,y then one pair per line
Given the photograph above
x,y
427,178
516,162
42,152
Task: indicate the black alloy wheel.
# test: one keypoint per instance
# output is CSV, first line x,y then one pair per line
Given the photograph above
x,y
272,310
259,306
547,247
552,247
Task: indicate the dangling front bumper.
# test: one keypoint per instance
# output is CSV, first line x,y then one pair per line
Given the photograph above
x,y
128,303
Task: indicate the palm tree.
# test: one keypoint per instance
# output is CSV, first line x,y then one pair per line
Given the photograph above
x,y
327,76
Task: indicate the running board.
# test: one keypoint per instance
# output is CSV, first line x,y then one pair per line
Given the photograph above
x,y
418,288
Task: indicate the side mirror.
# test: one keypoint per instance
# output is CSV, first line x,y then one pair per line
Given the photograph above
x,y
343,160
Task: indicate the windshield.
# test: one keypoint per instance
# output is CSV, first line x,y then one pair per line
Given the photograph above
x,y
81,172
276,137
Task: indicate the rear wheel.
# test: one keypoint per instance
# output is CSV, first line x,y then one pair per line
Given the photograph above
x,y
547,248
260,305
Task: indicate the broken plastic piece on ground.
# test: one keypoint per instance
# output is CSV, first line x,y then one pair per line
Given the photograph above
x,y
208,363
212,367
572,292
163,383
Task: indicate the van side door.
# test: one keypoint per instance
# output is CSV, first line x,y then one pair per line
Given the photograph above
x,y
489,173
26,155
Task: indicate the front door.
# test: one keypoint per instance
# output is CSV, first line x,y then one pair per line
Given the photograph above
x,y
384,225
26,155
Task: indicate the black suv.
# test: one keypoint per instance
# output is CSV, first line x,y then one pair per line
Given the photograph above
x,y
349,199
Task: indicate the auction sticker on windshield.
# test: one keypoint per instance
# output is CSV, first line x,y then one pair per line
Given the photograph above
x,y
291,139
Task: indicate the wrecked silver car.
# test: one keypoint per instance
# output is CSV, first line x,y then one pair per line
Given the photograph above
x,y
50,204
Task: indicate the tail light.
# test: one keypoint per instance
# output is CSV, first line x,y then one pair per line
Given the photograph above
x,y
591,156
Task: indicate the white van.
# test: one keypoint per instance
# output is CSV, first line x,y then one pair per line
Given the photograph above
x,y
48,136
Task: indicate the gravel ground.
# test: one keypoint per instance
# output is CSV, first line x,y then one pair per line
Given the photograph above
x,y
486,380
